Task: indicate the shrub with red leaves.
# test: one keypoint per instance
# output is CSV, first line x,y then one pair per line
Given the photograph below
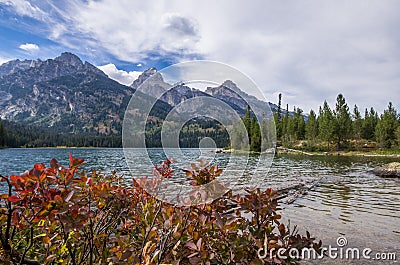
x,y
64,215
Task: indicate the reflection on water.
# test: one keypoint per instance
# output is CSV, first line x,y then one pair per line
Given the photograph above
x,y
347,201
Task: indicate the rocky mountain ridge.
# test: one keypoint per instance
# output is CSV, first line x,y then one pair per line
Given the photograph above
x,y
66,95
228,92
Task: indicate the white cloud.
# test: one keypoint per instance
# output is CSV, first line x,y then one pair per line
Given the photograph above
x,y
25,8
139,65
29,47
130,36
121,76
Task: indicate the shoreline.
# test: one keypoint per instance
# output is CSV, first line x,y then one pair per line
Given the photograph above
x,y
284,150
279,150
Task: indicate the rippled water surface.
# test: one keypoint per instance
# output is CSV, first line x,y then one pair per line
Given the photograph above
x,y
347,201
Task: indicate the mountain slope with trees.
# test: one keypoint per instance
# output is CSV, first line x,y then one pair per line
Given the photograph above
x,y
67,102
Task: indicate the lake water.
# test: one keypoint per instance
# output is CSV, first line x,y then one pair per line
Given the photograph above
x,y
348,201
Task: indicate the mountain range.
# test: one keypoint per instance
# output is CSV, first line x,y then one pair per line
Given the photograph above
x,y
227,92
68,96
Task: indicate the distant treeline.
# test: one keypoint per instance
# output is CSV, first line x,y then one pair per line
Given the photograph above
x,y
21,135
337,127
191,133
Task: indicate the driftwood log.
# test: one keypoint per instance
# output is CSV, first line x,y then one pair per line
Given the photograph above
x,y
291,193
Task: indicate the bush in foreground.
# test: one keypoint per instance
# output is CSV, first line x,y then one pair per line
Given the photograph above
x,y
64,215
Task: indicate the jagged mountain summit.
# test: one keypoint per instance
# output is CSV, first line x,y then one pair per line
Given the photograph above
x,y
155,88
63,93
28,71
14,66
179,93
228,92
158,88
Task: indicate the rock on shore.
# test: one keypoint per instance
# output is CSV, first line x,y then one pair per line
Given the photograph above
x,y
388,170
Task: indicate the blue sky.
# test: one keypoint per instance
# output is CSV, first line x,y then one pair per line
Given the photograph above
x,y
307,50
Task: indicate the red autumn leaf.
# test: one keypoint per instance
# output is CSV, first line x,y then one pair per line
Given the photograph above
x,y
58,199
54,163
40,167
13,199
35,172
14,179
74,162
74,214
78,161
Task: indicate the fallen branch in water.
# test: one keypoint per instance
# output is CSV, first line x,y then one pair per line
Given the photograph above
x,y
292,193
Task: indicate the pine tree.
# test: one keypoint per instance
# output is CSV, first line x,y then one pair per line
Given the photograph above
x,y
285,121
357,123
291,133
285,127
278,119
369,124
380,133
268,133
301,126
311,127
326,124
246,119
342,121
255,135
367,132
386,129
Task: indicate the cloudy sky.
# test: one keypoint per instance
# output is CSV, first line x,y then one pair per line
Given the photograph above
x,y
307,50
